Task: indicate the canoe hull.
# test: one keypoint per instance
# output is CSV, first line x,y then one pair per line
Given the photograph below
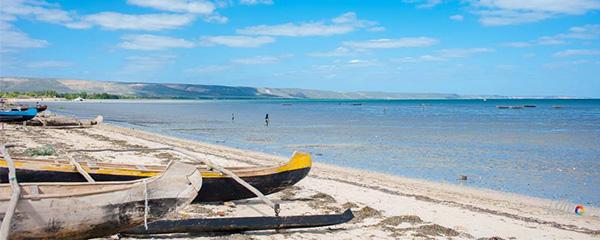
x,y
16,116
94,221
65,122
216,187
227,189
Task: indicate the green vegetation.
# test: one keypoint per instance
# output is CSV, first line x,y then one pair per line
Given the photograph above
x,y
68,96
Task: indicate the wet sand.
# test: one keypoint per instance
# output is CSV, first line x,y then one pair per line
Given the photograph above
x,y
386,206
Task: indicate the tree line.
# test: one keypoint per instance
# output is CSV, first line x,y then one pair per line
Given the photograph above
x,y
68,96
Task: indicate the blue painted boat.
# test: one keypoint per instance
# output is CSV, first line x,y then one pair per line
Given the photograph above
x,y
16,115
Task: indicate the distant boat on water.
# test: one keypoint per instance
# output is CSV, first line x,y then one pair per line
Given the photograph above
x,y
356,104
510,107
557,106
529,106
286,104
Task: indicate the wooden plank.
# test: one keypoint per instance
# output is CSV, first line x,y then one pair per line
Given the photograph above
x,y
80,169
14,196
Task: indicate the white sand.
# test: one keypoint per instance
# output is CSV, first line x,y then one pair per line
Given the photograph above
x,y
461,212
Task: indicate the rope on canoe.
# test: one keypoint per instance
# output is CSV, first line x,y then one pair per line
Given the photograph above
x,y
146,208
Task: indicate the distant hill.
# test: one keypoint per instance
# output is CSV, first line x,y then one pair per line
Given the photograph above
x,y
195,91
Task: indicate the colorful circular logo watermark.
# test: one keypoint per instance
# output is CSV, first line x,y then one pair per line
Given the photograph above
x,y
579,210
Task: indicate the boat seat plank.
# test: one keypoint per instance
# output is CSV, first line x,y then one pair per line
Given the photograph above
x,y
34,192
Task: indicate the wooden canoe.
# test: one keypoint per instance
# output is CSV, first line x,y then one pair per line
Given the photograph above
x,y
56,121
17,115
216,187
41,108
89,210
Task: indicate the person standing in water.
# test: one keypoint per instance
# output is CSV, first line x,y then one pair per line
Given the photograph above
x,y
267,120
232,117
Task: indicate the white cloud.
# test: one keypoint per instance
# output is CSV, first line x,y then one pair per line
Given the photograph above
x,y
259,60
554,6
376,29
462,52
586,32
549,41
216,19
182,6
516,44
38,10
507,12
338,52
153,42
255,2
237,41
529,55
563,65
79,25
149,22
571,52
351,19
456,17
11,39
424,3
394,43
343,24
293,30
363,63
424,58
49,64
205,69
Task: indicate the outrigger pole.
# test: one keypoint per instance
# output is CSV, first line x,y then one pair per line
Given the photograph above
x,y
15,194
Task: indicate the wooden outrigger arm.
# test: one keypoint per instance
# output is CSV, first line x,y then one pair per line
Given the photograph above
x,y
14,196
222,170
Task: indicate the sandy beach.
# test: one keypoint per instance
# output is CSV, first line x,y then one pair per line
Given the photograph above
x,y
385,206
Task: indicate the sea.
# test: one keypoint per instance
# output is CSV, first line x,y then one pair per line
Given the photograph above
x,y
539,151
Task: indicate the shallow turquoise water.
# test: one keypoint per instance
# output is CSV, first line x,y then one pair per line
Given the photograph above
x,y
541,151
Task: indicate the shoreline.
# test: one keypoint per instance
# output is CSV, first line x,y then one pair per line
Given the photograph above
x,y
471,212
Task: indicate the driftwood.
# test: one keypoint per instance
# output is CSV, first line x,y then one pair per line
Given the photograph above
x,y
204,225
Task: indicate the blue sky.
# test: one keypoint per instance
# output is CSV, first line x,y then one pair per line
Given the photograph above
x,y
506,47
